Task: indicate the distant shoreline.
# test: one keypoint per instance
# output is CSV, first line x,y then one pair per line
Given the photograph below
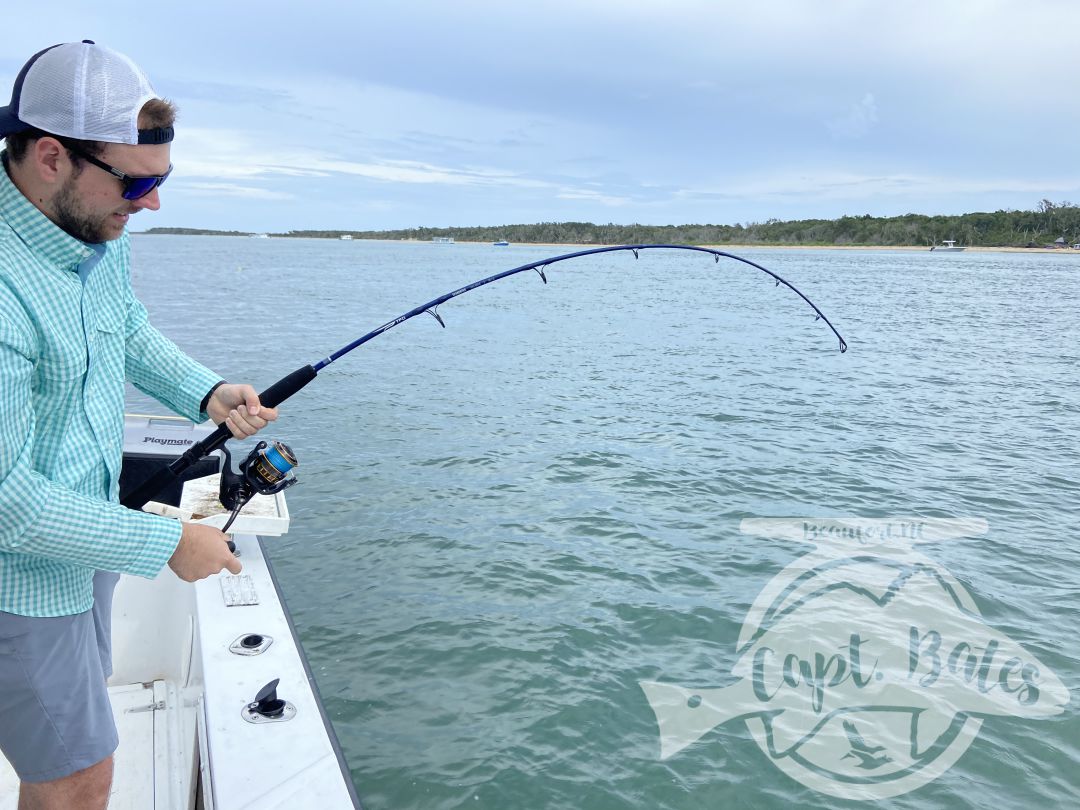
x,y
587,245
1051,227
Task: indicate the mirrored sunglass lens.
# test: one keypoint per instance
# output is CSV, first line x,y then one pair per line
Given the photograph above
x,y
140,186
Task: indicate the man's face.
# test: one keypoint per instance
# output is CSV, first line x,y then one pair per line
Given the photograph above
x,y
90,205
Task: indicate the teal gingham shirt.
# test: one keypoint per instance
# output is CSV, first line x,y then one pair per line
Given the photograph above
x,y
67,343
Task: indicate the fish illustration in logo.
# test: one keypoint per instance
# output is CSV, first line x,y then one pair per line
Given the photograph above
x,y
863,674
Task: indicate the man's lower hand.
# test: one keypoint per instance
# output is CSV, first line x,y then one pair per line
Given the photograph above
x,y
202,552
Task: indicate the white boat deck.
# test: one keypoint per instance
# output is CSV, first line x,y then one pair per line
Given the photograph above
x,y
275,765
133,711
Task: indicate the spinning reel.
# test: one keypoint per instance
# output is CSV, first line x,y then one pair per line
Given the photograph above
x,y
266,471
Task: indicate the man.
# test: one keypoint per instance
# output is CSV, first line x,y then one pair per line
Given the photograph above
x,y
87,146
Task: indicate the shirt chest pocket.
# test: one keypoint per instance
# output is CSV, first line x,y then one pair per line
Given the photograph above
x,y
108,345
62,359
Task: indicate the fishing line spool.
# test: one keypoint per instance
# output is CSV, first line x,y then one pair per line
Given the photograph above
x,y
267,470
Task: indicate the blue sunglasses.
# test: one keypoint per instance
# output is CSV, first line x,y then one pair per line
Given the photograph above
x,y
134,187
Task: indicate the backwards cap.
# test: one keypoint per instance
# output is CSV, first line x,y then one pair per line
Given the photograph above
x,y
84,91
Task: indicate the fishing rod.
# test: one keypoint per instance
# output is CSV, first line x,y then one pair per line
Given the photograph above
x,y
291,383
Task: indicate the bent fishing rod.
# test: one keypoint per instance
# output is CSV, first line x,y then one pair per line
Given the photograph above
x,y
291,383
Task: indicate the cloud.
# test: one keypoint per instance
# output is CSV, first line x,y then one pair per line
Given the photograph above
x,y
210,156
593,196
807,110
859,120
825,184
188,90
411,171
230,190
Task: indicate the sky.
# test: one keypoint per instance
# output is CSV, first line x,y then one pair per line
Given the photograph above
x,y
361,116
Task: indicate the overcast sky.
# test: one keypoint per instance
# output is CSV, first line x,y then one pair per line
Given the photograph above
x,y
397,114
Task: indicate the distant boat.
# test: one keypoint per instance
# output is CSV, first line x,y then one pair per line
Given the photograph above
x,y
260,236
500,243
443,240
946,246
345,237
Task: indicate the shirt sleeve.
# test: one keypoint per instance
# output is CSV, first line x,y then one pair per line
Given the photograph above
x,y
43,518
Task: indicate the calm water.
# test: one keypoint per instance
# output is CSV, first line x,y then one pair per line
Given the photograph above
x,y
503,526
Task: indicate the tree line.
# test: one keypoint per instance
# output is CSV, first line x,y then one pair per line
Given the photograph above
x,y
1043,225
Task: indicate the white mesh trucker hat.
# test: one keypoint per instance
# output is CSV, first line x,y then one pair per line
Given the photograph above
x,y
84,91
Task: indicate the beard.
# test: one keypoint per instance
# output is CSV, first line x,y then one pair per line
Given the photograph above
x,y
75,220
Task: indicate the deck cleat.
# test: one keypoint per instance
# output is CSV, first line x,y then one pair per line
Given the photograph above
x,y
268,707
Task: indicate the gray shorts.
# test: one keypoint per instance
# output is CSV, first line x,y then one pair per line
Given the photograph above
x,y
55,715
